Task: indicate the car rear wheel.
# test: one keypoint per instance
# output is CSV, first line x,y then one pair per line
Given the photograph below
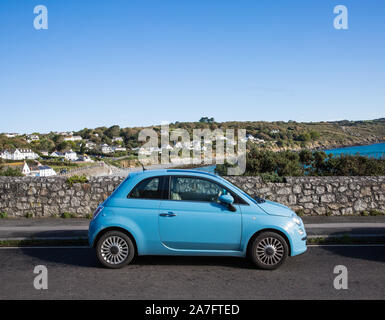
x,y
269,250
115,249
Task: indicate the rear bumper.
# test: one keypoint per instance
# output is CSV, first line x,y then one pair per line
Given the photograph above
x,y
91,233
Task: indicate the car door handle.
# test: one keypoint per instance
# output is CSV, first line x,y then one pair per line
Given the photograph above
x,y
169,214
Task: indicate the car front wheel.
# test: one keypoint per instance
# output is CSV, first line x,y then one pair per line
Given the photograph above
x,y
269,250
115,249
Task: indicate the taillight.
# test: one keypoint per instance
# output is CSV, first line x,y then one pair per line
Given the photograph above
x,y
97,211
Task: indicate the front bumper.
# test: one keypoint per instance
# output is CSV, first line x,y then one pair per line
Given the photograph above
x,y
299,239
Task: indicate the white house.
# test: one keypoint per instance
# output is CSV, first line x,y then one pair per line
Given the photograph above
x,y
45,171
118,148
12,135
57,154
119,139
38,171
85,158
32,137
250,137
26,170
106,148
70,155
72,138
19,154
90,145
64,133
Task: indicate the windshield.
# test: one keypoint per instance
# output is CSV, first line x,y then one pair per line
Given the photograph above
x,y
255,200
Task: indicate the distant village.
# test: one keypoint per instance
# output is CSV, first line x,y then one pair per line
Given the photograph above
x,y
94,152
39,170
44,154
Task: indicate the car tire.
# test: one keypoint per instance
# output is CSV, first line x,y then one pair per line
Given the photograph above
x,y
115,249
269,250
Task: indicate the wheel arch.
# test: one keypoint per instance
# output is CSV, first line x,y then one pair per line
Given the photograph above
x,y
257,233
115,228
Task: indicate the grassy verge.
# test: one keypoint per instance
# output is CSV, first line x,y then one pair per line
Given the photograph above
x,y
346,239
45,243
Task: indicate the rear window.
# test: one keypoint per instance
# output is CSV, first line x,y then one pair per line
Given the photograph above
x,y
151,188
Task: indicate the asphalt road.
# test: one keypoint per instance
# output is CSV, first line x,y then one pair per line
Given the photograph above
x,y
74,273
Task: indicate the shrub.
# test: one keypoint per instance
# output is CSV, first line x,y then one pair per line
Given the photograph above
x,y
68,215
10,172
270,165
272,177
3,215
364,213
374,212
77,179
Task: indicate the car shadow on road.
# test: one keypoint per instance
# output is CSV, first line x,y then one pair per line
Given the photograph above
x,y
231,262
86,257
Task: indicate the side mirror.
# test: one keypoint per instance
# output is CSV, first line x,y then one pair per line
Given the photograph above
x,y
226,199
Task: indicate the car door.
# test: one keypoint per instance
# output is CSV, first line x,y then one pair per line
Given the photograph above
x,y
140,209
193,219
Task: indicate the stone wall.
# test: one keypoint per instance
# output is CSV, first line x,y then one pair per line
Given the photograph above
x,y
53,195
320,195
313,195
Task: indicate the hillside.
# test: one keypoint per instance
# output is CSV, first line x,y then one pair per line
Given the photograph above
x,y
276,135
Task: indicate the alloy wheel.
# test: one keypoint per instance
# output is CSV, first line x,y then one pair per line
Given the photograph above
x,y
270,251
114,250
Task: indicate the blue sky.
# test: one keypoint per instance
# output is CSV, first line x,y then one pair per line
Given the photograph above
x,y
136,63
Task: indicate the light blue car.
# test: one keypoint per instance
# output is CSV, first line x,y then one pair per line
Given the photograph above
x,y
190,212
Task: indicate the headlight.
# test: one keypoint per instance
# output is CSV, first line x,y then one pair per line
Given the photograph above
x,y
297,220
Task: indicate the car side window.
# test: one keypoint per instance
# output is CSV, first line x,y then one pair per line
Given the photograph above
x,y
194,189
148,189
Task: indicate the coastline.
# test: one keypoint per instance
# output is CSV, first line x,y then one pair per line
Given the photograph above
x,y
342,146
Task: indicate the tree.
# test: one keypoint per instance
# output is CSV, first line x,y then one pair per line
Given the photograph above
x,y
113,131
62,146
207,120
314,135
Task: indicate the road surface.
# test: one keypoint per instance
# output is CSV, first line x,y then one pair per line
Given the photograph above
x,y
74,273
